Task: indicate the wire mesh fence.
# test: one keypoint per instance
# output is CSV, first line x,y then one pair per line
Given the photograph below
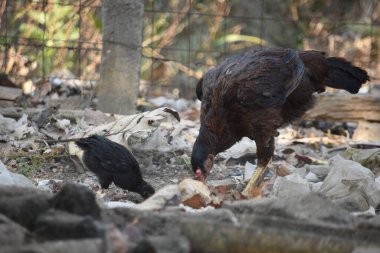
x,y
42,39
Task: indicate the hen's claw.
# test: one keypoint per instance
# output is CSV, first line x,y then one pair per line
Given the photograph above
x,y
255,180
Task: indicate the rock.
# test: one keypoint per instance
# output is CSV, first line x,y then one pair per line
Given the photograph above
x,y
7,125
62,225
23,205
168,196
291,185
366,214
117,242
316,186
301,172
320,170
144,246
49,184
369,158
220,215
310,207
366,250
72,246
76,199
311,177
167,244
11,233
353,202
345,177
8,178
114,204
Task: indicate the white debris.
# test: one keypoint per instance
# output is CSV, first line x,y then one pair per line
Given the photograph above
x,y
316,186
311,177
346,176
244,146
320,171
249,168
47,184
296,178
291,185
124,204
370,212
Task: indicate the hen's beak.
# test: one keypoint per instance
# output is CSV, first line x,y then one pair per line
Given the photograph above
x,y
199,174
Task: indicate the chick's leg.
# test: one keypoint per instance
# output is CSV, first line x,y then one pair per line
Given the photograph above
x,y
265,151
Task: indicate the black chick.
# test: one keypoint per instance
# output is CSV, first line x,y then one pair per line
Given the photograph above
x,y
112,162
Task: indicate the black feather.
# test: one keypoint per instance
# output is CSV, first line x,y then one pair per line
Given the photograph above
x,y
112,162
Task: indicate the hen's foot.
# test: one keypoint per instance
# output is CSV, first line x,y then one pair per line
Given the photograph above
x,y
254,182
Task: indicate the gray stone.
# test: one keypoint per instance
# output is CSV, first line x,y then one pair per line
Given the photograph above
x,y
169,244
311,177
346,176
288,186
308,207
320,170
11,233
76,199
61,225
354,202
72,246
23,205
366,250
221,215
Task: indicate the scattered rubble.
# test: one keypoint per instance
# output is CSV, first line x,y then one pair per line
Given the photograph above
x,y
311,222
319,185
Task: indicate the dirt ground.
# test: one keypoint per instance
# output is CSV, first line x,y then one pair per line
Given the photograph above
x,y
159,168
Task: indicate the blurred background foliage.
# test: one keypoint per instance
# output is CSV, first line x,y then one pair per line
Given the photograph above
x,y
182,38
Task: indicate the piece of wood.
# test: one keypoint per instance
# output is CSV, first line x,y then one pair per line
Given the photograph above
x,y
367,131
7,93
351,108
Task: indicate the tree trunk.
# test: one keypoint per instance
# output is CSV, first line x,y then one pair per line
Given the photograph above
x,y
121,56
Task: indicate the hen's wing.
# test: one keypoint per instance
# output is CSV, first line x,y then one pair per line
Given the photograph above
x,y
257,79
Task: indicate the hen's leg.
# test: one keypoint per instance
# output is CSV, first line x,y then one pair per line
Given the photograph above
x,y
265,151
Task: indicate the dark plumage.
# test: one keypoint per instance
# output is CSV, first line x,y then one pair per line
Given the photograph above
x,y
112,162
255,93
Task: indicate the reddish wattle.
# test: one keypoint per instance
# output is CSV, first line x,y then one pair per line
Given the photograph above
x,y
199,175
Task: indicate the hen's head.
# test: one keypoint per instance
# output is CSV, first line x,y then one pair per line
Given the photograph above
x,y
201,160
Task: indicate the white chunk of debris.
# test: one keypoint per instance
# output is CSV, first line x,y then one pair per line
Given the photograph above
x,y
249,168
346,176
311,177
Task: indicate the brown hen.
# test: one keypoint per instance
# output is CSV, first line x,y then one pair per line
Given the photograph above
x,y
255,93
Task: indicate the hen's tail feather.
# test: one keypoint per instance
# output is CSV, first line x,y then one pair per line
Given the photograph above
x,y
343,75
